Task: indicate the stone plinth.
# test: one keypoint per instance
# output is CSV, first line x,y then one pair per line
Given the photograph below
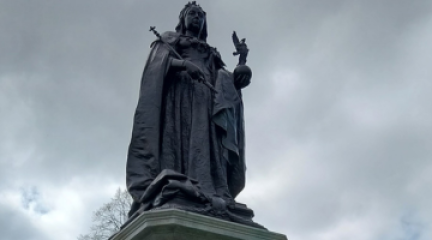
x,y
172,224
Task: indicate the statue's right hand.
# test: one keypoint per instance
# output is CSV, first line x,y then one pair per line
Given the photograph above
x,y
193,70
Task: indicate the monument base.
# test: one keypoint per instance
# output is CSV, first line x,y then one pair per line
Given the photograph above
x,y
174,224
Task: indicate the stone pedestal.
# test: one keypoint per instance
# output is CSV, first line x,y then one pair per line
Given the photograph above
x,y
172,224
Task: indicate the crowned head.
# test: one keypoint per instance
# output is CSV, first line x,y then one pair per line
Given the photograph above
x,y
193,18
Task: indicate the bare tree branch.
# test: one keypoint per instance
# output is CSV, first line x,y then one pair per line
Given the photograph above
x,y
108,219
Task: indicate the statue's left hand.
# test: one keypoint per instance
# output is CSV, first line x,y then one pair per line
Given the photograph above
x,y
242,81
242,76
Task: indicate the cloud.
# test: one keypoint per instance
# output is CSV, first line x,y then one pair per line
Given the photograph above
x,y
338,118
30,200
16,225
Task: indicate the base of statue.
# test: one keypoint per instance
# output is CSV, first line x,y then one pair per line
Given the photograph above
x,y
234,212
174,224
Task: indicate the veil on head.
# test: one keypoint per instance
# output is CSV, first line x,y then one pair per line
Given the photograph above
x,y
181,26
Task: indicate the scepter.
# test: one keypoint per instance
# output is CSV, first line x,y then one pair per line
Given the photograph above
x,y
201,79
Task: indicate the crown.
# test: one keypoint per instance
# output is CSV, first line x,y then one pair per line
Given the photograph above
x,y
190,4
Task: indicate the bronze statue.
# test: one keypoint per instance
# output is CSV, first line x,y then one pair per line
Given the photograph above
x,y
187,146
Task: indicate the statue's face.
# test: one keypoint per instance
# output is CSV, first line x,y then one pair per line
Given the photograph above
x,y
194,19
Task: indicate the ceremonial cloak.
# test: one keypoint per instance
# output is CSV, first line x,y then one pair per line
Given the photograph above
x,y
182,126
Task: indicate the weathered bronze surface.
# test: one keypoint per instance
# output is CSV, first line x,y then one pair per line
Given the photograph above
x,y
187,147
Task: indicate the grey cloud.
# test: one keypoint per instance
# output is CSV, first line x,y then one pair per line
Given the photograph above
x,y
15,225
349,136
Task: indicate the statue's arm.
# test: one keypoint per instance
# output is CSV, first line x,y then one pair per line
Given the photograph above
x,y
177,64
242,76
171,38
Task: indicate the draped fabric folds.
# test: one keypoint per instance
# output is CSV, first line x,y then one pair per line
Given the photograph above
x,y
182,126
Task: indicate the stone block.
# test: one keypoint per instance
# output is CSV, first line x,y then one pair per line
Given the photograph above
x,y
173,224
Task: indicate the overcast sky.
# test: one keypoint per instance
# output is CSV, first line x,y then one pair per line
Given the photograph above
x,y
338,115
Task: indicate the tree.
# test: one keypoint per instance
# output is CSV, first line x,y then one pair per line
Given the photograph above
x,y
108,219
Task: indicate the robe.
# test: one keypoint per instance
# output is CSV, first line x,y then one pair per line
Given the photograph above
x,y
182,126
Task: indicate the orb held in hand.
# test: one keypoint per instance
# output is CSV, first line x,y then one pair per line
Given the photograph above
x,y
242,76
